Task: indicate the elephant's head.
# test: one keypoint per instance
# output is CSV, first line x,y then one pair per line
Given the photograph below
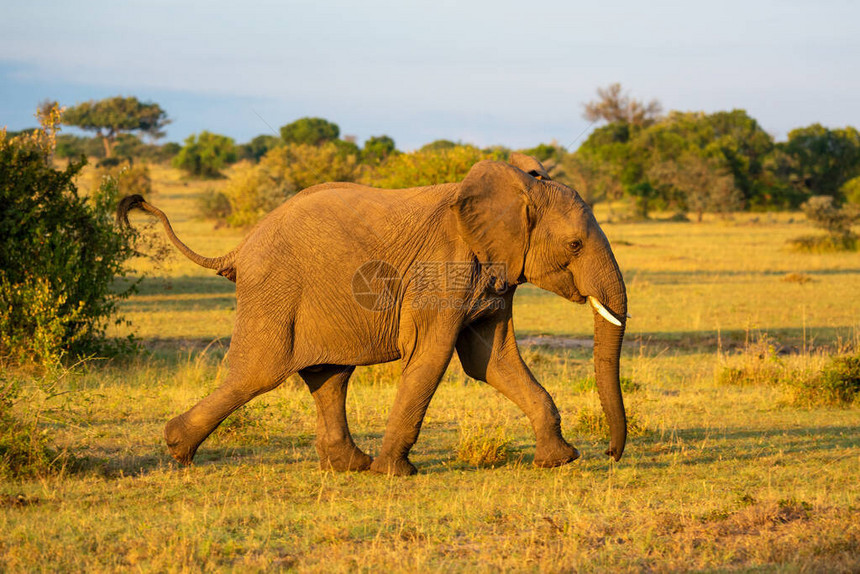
x,y
545,234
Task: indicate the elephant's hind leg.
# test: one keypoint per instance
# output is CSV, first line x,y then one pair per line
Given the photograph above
x,y
334,444
254,370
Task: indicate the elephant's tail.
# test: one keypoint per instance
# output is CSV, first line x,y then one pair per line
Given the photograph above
x,y
224,264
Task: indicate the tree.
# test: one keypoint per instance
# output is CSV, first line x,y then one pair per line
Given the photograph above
x,y
310,131
824,159
439,145
206,154
377,148
110,117
698,185
614,106
258,147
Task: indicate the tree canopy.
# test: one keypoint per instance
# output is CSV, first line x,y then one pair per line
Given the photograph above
x,y
113,116
310,131
613,105
206,154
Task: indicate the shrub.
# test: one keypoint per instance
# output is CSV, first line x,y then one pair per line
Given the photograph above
x,y
822,211
851,190
25,448
213,204
758,364
838,384
480,446
255,190
206,154
61,253
429,166
130,179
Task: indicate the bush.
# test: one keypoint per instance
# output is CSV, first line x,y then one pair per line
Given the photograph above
x,y
213,204
823,243
130,179
851,191
25,448
429,166
823,212
758,364
205,155
255,190
60,255
838,384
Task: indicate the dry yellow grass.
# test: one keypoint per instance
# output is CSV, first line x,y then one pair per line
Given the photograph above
x,y
720,477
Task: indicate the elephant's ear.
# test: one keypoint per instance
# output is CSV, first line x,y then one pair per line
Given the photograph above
x,y
494,214
529,165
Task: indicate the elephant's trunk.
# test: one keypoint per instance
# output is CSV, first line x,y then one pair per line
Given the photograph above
x,y
607,353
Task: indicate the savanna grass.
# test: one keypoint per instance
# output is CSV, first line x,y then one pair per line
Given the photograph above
x,y
725,476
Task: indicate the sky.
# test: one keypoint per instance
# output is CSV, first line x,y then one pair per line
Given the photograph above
x,y
488,73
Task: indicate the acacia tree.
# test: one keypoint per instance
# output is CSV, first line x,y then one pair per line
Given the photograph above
x,y
113,116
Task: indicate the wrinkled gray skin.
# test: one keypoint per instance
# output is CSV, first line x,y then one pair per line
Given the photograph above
x,y
297,311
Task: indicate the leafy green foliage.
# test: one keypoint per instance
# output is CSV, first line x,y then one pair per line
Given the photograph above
x,y
310,131
837,221
206,154
112,116
851,191
23,449
426,167
838,384
258,147
377,148
438,145
60,255
690,162
822,211
71,146
823,159
255,190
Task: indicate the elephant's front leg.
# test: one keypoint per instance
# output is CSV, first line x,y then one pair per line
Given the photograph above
x,y
334,444
420,378
488,352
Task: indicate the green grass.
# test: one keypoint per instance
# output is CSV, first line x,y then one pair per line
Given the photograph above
x,y
716,477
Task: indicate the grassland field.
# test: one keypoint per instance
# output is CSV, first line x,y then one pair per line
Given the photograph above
x,y
716,477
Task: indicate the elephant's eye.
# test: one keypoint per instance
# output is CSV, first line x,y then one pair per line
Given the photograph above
x,y
575,246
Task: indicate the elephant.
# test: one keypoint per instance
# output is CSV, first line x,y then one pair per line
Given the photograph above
x,y
342,275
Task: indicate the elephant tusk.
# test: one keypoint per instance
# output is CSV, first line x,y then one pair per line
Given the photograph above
x,y
603,311
629,316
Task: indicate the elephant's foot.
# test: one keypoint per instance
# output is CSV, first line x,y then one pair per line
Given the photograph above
x,y
555,455
176,435
343,457
393,466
